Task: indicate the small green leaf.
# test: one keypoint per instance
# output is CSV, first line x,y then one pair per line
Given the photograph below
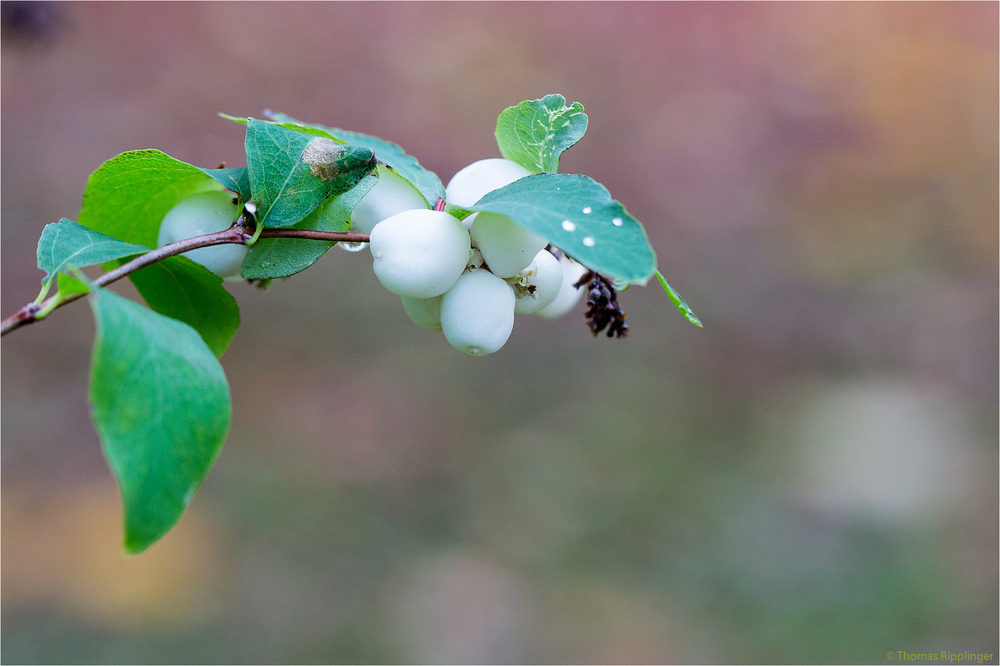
x,y
236,179
577,215
67,243
678,301
535,133
272,258
127,196
187,291
161,406
291,173
407,166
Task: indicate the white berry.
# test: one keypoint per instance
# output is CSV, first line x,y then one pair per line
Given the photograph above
x,y
507,247
425,312
538,284
568,295
419,253
470,184
477,313
205,213
391,194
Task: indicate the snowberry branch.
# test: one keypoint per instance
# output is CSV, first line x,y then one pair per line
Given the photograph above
x,y
236,234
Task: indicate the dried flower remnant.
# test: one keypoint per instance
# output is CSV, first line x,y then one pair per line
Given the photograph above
x,y
603,310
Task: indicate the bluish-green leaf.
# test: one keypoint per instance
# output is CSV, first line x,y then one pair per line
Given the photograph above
x,y
236,179
161,406
272,258
127,196
187,291
407,166
536,132
577,215
67,243
292,173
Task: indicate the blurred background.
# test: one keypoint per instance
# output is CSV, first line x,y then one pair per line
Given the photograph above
x,y
811,477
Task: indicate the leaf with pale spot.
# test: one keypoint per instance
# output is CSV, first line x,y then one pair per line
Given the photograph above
x,y
407,166
292,173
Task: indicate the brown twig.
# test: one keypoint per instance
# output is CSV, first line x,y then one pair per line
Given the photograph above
x,y
236,234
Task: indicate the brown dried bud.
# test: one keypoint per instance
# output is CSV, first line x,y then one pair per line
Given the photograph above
x,y
603,310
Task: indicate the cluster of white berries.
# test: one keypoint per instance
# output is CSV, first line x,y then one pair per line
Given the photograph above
x,y
466,278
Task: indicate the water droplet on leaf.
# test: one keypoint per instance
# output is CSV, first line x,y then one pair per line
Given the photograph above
x,y
568,226
589,241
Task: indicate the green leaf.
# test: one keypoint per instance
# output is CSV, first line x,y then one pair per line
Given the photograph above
x,y
407,166
577,215
291,173
187,291
236,179
678,301
127,196
290,124
161,406
535,133
67,243
68,284
272,258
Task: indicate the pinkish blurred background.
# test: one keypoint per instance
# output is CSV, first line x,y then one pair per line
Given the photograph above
x,y
810,478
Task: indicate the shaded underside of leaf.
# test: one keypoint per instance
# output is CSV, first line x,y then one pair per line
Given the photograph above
x,y
236,179
160,403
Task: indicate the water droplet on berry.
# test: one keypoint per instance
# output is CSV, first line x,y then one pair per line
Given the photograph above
x,y
352,247
568,226
589,241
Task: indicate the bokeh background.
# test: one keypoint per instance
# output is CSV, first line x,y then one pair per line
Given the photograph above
x,y
812,477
